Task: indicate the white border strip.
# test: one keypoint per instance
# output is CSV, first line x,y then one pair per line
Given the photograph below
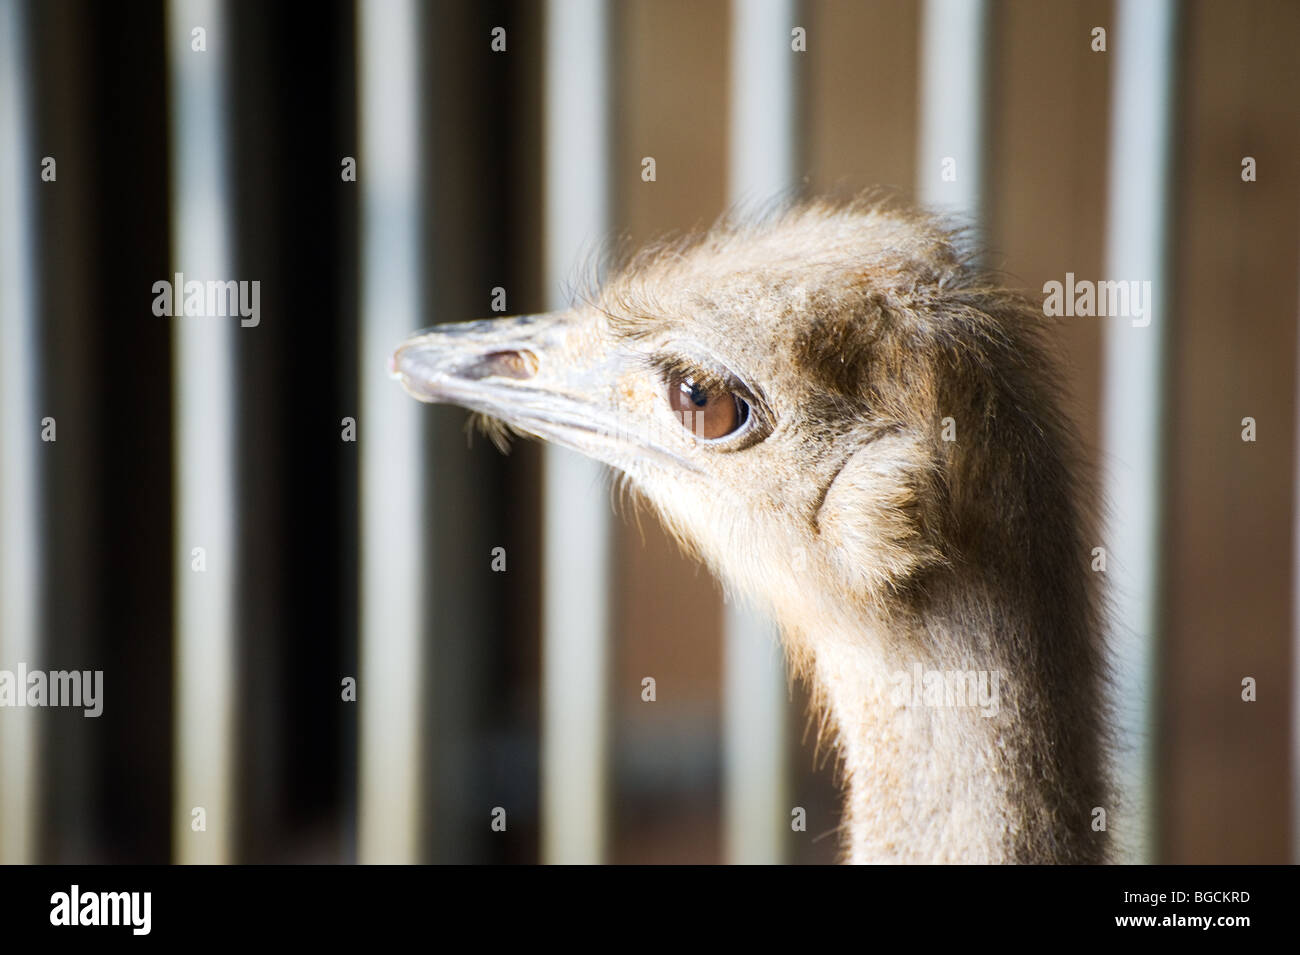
x,y
393,515
1137,248
21,558
763,152
577,549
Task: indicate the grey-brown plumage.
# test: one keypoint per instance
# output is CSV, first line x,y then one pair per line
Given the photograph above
x,y
851,423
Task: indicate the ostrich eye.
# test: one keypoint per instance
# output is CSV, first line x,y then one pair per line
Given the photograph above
x,y
706,412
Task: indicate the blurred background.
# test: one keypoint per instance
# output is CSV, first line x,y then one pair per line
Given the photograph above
x,y
494,145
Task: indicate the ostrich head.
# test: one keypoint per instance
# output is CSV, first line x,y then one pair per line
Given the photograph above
x,y
849,422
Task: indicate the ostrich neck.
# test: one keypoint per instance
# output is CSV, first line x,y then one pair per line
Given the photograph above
x,y
942,757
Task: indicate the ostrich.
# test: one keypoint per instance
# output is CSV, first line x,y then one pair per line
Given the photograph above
x,y
846,419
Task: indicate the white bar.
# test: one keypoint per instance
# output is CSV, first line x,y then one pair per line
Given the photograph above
x,y
206,458
577,550
953,115
1142,106
21,558
393,516
756,701
764,133
764,150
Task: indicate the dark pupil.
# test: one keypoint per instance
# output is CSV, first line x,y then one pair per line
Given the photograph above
x,y
703,414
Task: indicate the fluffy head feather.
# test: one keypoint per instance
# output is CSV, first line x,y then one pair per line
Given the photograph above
x,y
903,491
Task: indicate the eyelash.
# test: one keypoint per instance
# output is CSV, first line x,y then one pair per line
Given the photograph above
x,y
670,366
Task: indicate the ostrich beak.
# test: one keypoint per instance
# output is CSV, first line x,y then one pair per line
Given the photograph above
x,y
441,364
544,375
551,376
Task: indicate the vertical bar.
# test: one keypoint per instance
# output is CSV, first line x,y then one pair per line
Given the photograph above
x,y
577,551
756,703
763,152
954,118
393,518
203,379
1137,248
21,556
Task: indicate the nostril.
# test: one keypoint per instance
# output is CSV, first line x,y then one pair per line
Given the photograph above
x,y
501,364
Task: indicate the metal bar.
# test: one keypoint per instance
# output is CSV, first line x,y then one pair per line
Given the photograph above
x,y
393,518
203,380
1143,96
953,112
21,552
577,550
763,152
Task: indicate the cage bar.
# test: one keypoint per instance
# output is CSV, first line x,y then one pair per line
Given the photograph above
x,y
392,480
763,152
577,549
1143,102
21,551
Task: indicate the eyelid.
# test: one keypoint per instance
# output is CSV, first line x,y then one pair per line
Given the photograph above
x,y
709,377
669,366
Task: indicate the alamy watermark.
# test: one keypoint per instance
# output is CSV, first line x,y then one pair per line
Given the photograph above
x,y
77,907
83,688
1085,299
947,688
215,299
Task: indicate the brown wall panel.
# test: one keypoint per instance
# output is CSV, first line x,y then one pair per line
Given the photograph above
x,y
673,59
1047,175
861,94
1228,547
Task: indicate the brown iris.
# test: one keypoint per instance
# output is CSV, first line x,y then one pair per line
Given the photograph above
x,y
705,412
